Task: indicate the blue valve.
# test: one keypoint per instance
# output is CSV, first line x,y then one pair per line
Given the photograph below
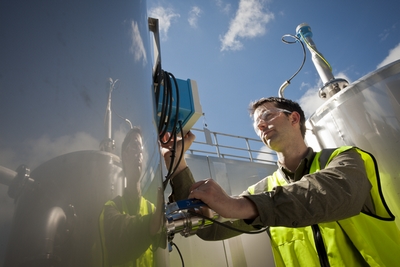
x,y
184,205
303,30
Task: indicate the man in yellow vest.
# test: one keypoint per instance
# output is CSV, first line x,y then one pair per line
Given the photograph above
x,y
129,224
322,209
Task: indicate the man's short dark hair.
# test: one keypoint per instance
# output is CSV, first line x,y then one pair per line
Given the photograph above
x,y
134,131
282,103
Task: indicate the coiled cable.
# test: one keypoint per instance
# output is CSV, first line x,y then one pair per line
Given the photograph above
x,y
165,82
287,82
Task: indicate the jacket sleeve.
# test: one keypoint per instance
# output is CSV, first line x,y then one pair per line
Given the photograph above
x,y
181,183
126,236
339,191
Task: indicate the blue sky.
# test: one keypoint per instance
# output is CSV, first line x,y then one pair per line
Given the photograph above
x,y
233,49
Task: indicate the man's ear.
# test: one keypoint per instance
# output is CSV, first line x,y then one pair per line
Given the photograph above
x,y
295,117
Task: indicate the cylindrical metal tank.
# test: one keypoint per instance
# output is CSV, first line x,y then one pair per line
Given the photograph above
x,y
56,218
366,114
58,60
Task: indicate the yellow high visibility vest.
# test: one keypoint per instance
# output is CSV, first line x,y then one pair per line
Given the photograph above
x,y
146,259
361,240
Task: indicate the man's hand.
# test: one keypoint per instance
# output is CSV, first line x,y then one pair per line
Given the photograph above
x,y
166,150
216,198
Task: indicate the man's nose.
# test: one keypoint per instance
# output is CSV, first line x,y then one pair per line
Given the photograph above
x,y
262,124
260,127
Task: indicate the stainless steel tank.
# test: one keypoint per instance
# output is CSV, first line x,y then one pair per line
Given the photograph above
x,y
58,59
366,114
56,217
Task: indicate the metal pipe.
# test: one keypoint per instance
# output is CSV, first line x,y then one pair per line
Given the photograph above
x,y
303,31
187,223
6,175
331,85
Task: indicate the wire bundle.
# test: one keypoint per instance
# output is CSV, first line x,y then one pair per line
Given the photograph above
x,y
169,124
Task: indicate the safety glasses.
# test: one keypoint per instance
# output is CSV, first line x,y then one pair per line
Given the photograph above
x,y
267,116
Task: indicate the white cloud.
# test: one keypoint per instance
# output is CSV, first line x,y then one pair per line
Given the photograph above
x,y
249,22
310,101
225,8
386,32
165,16
194,15
383,36
394,54
266,154
137,48
37,151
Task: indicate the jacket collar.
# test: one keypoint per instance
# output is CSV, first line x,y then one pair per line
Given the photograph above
x,y
301,170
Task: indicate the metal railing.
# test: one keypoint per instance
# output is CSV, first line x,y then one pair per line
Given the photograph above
x,y
229,146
